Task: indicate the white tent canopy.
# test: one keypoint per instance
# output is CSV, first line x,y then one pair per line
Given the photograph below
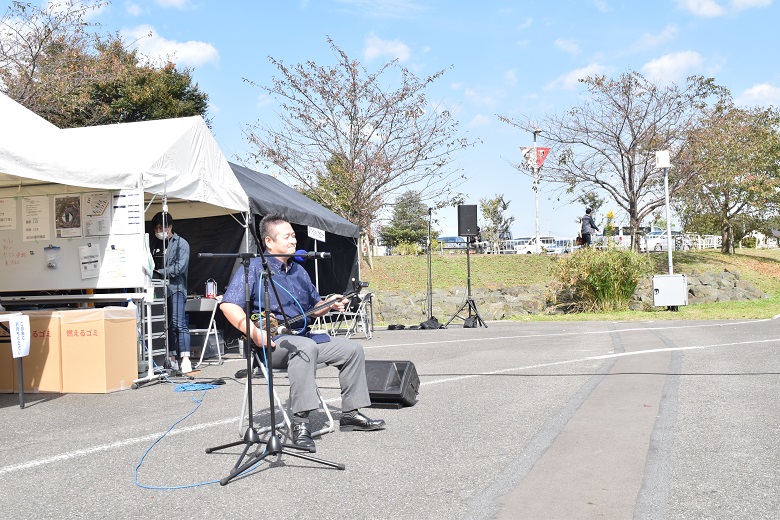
x,y
176,158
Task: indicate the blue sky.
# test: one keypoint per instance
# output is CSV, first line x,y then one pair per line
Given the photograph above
x,y
507,58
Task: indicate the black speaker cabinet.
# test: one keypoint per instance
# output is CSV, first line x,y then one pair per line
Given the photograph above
x,y
467,220
392,383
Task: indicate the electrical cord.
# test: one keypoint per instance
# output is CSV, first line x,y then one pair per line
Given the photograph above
x,y
215,384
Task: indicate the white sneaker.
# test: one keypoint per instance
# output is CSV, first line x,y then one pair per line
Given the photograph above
x,y
186,366
174,364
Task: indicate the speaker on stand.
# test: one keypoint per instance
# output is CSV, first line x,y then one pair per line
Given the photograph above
x,y
467,220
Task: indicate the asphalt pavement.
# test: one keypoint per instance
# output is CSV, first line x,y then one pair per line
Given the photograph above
x,y
649,420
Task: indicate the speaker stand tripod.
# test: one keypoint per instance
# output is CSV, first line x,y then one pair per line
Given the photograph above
x,y
473,319
273,444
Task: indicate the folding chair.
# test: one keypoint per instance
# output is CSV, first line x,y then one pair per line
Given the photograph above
x,y
356,317
206,305
256,362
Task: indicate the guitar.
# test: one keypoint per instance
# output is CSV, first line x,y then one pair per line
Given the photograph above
x,y
277,329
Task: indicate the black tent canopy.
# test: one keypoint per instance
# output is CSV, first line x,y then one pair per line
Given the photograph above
x,y
270,195
225,234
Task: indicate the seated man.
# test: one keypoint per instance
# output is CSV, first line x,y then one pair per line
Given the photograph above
x,y
301,352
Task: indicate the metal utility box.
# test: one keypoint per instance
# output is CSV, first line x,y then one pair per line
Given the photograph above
x,y
670,290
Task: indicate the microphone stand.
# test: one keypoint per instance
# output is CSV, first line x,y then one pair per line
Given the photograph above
x,y
273,444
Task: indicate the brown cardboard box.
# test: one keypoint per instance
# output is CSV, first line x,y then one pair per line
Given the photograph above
x,y
99,349
41,367
7,364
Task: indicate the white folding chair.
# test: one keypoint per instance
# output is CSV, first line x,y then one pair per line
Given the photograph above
x,y
206,305
354,319
330,426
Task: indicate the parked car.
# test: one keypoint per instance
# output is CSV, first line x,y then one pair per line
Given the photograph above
x,y
529,247
561,247
657,240
452,244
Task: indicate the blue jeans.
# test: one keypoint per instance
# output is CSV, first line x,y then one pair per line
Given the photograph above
x,y
178,333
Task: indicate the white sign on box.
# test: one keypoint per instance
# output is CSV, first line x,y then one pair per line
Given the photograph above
x,y
19,328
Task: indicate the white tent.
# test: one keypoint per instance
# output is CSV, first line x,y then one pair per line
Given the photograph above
x,y
176,158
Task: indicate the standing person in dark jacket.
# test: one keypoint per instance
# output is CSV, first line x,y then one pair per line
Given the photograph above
x,y
175,269
588,227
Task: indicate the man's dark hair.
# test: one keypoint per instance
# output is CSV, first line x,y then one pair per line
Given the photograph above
x,y
272,219
587,211
157,220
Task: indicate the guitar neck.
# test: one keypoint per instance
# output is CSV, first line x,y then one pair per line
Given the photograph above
x,y
318,308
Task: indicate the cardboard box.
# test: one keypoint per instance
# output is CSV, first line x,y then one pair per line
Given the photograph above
x,y
7,364
42,372
99,349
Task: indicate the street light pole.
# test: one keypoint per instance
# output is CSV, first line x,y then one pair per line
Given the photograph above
x,y
662,161
535,165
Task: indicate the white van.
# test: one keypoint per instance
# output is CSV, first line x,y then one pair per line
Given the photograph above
x,y
529,247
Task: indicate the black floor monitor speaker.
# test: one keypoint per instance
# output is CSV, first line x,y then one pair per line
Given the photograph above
x,y
467,220
392,383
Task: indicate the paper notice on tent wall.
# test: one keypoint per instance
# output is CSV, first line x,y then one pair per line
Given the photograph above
x,y
7,213
97,214
35,218
67,216
19,329
89,258
128,212
316,234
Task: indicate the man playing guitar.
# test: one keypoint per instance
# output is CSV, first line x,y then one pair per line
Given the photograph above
x,y
300,353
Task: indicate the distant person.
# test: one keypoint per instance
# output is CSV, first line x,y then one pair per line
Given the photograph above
x,y
588,227
175,268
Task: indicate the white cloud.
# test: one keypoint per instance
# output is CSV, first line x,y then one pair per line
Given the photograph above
x,y
674,66
479,99
158,49
705,8
510,77
133,9
263,100
570,80
713,8
93,7
568,46
525,24
377,47
398,9
650,41
479,120
749,4
602,6
763,94
177,4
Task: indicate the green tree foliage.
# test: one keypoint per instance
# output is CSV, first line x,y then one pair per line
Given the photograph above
x,y
734,154
606,142
496,224
409,223
53,61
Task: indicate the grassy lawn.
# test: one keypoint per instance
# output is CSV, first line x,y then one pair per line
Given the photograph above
x,y
760,267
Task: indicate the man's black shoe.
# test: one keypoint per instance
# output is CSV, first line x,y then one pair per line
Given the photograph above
x,y
302,437
360,422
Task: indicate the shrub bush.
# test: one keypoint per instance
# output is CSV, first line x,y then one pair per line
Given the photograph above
x,y
405,248
590,279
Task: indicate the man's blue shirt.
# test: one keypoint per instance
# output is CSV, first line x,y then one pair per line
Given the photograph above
x,y
292,284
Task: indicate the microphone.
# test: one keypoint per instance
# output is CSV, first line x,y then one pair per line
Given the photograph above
x,y
301,256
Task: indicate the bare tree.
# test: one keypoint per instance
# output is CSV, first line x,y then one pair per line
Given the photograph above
x,y
341,127
607,141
